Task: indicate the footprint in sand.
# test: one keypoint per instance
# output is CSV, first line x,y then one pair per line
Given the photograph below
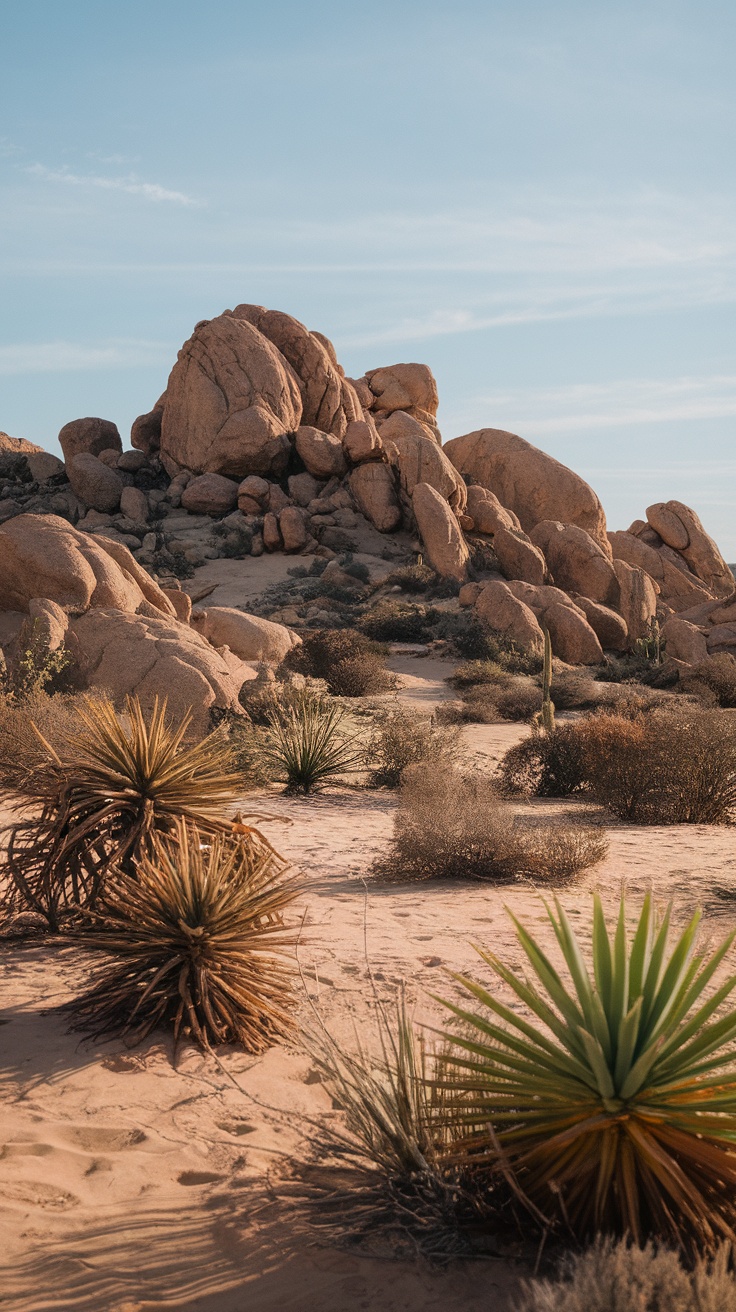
x,y
38,1195
99,1139
25,1150
236,1127
198,1177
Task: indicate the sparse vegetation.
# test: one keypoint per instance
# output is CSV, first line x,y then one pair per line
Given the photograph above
x,y
713,681
615,1107
36,669
401,738
545,764
620,1276
192,939
22,750
455,826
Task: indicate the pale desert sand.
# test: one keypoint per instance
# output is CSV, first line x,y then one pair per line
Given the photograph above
x,y
128,1185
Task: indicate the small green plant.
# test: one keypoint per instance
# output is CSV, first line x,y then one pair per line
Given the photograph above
x,y
651,646
615,1104
307,745
192,939
36,669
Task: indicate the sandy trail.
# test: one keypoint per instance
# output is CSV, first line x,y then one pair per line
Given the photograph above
x,y
129,1185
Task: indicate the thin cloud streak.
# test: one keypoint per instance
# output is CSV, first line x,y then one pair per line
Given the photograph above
x,y
72,357
130,184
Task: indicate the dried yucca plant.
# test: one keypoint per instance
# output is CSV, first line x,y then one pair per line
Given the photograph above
x,y
119,781
194,939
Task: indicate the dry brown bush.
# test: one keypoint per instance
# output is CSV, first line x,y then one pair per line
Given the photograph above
x,y
713,681
471,674
401,738
455,826
21,749
350,664
545,764
519,699
632,699
620,1277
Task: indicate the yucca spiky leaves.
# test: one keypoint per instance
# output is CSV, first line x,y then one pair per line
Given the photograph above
x,y
306,743
117,782
194,939
618,1111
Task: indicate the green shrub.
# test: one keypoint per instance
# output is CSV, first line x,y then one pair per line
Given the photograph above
x,y
455,826
349,663
401,738
621,1277
612,1092
306,743
35,669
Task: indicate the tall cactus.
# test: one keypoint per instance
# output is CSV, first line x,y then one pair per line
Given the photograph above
x,y
547,714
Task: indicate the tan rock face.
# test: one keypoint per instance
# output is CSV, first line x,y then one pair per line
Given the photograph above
x,y
528,481
248,636
518,557
680,528
373,488
409,387
608,626
638,599
502,611
124,654
322,453
684,641
574,639
230,402
329,402
145,435
577,562
210,494
43,556
486,511
293,528
440,532
678,586
94,483
90,436
420,460
17,445
362,442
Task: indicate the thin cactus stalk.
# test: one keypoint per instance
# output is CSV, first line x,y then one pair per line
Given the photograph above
x,y
547,717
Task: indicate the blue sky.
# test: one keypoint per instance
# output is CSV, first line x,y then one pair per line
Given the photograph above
x,y
536,199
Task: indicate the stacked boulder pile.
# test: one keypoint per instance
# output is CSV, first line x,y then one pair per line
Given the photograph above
x,y
259,445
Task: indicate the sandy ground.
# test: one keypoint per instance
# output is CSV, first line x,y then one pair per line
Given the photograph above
x,y
128,1185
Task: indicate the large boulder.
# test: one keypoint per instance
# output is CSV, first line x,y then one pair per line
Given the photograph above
x,y
151,657
362,442
231,400
89,436
94,482
677,585
374,490
528,481
487,513
637,600
420,460
17,445
408,387
608,626
680,528
574,640
498,608
43,556
683,641
440,532
518,557
145,434
577,562
322,453
248,636
210,494
329,402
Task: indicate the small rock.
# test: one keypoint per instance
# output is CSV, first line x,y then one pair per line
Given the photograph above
x,y
89,436
132,461
134,504
271,534
210,494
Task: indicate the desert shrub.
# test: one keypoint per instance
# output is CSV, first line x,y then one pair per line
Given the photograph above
x,y
622,1277
616,1114
401,738
667,768
480,705
193,939
259,697
545,764
519,699
574,690
475,642
454,826
396,621
412,578
104,794
350,664
21,749
713,680
632,699
471,674
309,742
35,669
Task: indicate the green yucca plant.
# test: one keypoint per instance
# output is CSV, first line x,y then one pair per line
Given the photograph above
x,y
306,743
618,1109
116,783
193,939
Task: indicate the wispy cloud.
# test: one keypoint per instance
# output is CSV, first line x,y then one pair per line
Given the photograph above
x,y
586,406
71,357
130,184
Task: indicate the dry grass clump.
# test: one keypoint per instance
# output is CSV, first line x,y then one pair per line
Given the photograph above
x,y
519,699
575,690
103,795
622,1277
193,939
675,766
401,738
398,621
474,674
455,826
350,664
632,699
713,681
21,750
